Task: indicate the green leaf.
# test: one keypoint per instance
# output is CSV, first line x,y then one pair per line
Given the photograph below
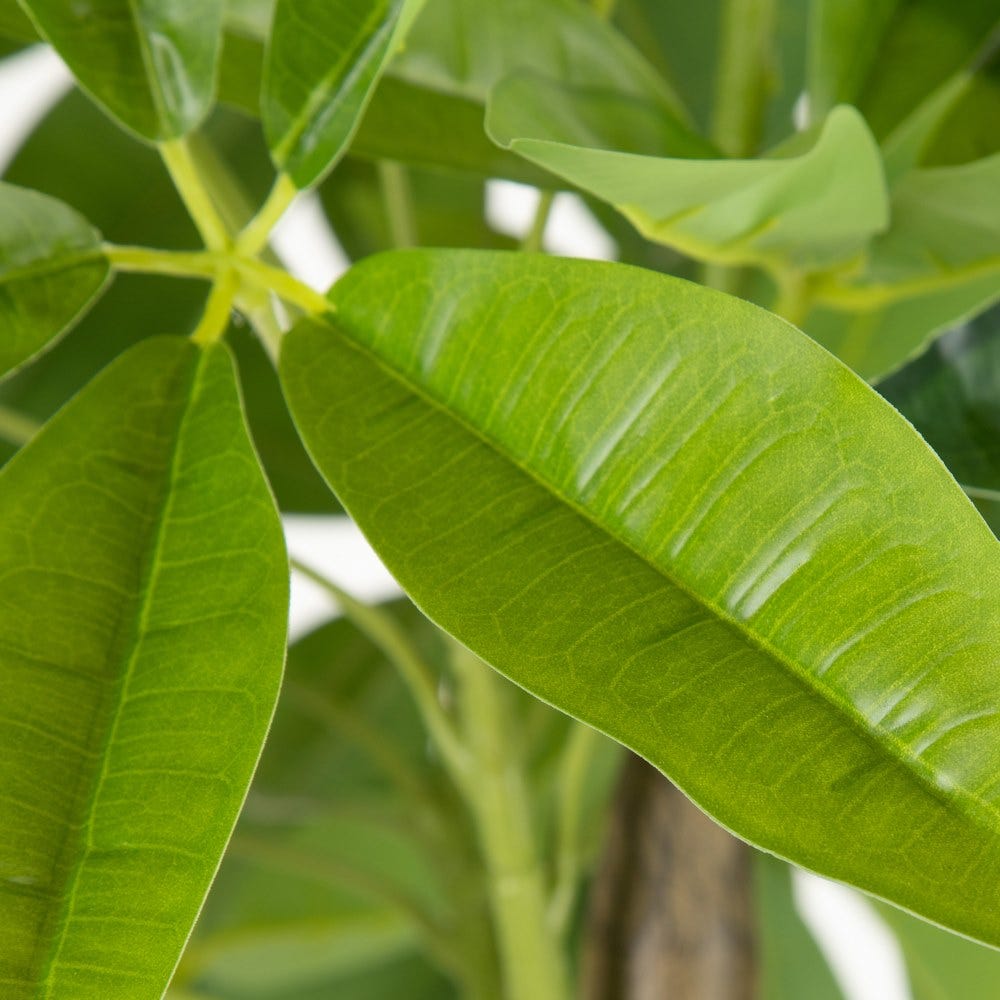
x,y
803,208
937,264
322,62
51,270
145,583
149,63
951,394
792,966
668,513
940,965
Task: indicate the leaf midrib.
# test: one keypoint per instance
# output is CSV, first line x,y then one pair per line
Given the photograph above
x,y
145,589
971,806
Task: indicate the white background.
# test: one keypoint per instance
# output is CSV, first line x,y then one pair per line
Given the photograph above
x,y
864,956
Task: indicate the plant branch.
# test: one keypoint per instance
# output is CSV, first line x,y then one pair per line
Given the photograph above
x,y
255,235
418,676
398,198
533,242
573,771
17,428
183,171
530,953
218,309
208,265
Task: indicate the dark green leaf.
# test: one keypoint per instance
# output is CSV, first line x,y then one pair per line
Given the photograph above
x,y
149,63
51,270
805,210
323,60
792,966
145,587
670,514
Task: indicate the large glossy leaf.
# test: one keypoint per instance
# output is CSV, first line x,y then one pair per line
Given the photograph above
x,y
149,63
791,965
51,270
673,516
145,592
803,207
323,60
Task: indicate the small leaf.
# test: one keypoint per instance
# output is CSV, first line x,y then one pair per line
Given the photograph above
x,y
323,60
144,583
805,208
792,966
51,270
670,514
149,63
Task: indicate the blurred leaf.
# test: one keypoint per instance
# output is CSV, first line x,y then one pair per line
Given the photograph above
x,y
145,574
678,567
448,209
864,52
801,208
149,63
792,966
938,263
14,23
322,62
51,270
941,965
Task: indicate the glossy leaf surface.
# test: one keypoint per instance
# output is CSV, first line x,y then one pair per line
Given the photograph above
x,y
670,514
323,59
149,63
145,587
809,209
51,270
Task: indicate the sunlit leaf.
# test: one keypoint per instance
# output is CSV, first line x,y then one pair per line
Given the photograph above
x,y
670,514
51,270
145,592
149,63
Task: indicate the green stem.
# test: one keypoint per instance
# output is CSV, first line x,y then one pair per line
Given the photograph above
x,y
202,264
574,768
793,299
382,629
181,165
258,230
745,76
530,953
604,8
16,428
398,197
533,242
218,309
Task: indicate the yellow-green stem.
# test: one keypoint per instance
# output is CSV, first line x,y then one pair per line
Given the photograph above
x,y
258,230
218,309
180,164
531,955
17,428
534,241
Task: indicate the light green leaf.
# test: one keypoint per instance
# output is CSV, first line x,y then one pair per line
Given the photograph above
x,y
938,263
941,965
792,966
145,587
51,270
802,208
148,63
323,61
670,514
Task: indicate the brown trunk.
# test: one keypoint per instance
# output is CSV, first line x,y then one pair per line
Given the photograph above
x,y
671,912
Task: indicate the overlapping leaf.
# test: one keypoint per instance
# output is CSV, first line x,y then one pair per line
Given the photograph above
x,y
149,63
800,207
323,60
51,270
144,589
670,514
